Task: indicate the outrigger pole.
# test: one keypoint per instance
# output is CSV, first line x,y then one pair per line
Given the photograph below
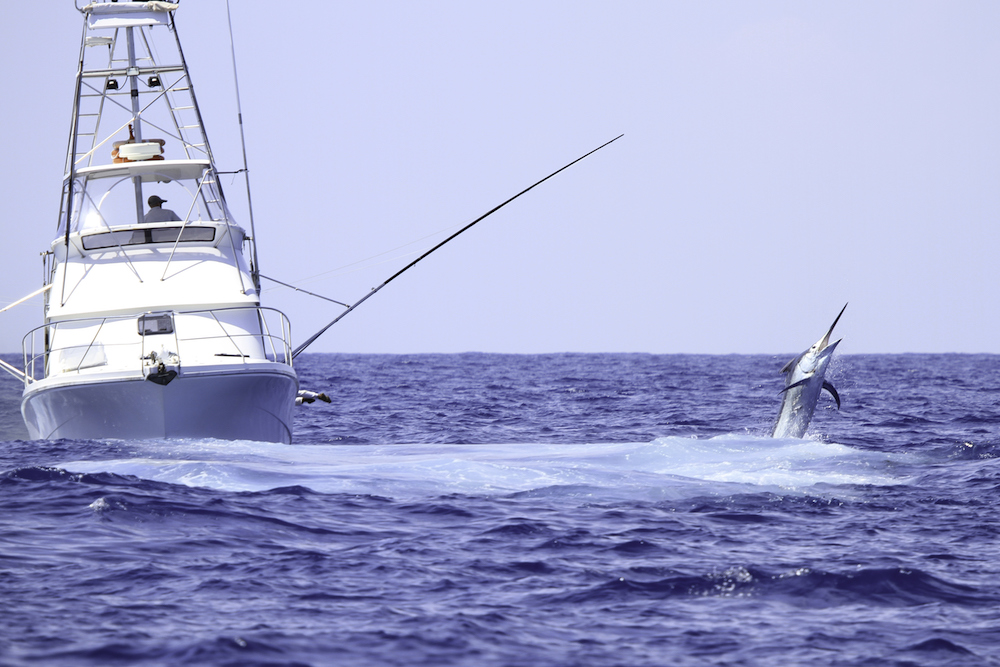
x,y
493,210
255,265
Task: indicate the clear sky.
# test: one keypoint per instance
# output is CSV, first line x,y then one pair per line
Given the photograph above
x,y
779,160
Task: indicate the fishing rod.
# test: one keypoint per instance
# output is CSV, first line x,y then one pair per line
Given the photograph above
x,y
493,210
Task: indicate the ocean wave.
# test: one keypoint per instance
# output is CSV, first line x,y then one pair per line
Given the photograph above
x,y
800,587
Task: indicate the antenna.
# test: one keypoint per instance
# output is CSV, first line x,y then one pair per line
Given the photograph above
x,y
255,267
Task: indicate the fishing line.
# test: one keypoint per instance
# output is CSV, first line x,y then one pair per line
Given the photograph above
x,y
380,254
388,260
341,271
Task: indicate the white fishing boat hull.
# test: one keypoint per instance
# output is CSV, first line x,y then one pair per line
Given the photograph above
x,y
253,403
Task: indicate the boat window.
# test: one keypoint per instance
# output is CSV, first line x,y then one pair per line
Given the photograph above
x,y
155,324
148,235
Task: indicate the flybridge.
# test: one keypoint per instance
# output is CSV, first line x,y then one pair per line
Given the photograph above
x,y
136,134
139,170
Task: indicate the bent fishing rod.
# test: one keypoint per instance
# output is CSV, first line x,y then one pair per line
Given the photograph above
x,y
493,210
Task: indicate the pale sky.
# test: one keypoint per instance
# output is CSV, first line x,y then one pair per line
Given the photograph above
x,y
779,160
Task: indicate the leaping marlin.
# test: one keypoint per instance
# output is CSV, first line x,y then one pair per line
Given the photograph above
x,y
803,384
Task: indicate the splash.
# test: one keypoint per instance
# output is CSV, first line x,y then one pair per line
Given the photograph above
x,y
670,467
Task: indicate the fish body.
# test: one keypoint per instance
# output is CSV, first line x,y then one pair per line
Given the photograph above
x,y
804,382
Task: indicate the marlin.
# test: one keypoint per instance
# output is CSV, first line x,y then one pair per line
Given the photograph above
x,y
804,382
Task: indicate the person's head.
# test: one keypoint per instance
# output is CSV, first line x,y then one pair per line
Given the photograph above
x,y
155,201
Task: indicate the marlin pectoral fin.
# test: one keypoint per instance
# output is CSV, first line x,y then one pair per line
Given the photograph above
x,y
833,392
793,385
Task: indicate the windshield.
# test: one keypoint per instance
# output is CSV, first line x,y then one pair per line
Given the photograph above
x,y
109,198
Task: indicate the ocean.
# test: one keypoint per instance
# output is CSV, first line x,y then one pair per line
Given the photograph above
x,y
525,510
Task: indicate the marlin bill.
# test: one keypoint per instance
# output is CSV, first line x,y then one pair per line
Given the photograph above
x,y
804,382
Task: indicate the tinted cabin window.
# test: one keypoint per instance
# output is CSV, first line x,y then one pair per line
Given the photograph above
x,y
155,324
149,235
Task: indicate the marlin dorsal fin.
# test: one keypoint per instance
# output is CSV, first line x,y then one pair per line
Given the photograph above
x,y
833,392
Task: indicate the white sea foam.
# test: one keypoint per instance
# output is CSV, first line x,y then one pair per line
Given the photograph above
x,y
664,468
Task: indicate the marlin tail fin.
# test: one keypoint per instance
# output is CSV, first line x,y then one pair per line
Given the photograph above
x,y
833,392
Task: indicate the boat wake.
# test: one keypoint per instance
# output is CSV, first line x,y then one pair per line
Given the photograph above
x,y
666,468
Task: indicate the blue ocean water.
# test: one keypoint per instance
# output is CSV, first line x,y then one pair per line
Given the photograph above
x,y
481,509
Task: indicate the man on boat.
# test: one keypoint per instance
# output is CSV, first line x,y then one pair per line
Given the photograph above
x,y
157,213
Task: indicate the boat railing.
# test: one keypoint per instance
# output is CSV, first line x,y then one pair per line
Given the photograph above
x,y
114,343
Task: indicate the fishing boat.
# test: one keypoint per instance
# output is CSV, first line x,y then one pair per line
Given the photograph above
x,y
153,325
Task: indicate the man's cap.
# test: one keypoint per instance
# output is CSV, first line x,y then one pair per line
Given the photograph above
x,y
156,201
